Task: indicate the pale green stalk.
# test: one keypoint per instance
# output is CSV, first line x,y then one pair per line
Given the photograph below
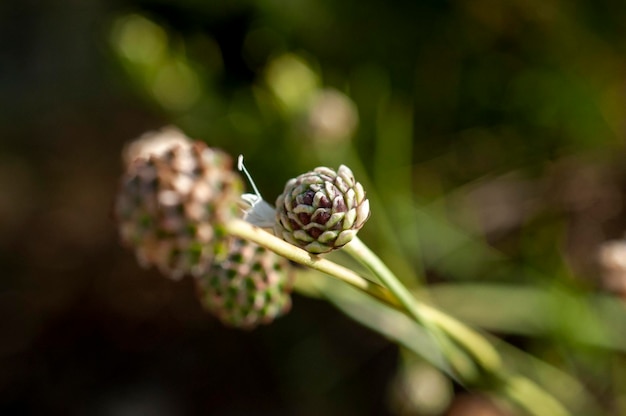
x,y
518,389
434,321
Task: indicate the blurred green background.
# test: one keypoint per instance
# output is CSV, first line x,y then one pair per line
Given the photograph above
x,y
489,136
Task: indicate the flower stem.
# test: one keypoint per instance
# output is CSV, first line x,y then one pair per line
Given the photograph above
x,y
422,314
518,389
476,345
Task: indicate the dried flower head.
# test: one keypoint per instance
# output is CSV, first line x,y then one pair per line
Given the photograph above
x,y
171,206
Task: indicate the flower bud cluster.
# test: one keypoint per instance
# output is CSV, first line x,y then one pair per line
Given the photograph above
x,y
176,198
172,206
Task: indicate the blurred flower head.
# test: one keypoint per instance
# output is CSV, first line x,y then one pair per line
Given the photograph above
x,y
331,116
171,207
249,287
612,262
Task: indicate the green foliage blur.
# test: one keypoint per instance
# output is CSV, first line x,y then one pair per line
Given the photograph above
x,y
488,134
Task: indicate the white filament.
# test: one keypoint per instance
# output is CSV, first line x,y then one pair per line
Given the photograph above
x,y
242,168
260,212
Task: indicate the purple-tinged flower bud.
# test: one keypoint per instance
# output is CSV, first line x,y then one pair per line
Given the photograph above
x,y
321,210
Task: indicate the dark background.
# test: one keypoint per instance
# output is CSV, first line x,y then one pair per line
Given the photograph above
x,y
512,114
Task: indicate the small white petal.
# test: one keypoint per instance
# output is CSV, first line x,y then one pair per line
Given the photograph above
x,y
260,213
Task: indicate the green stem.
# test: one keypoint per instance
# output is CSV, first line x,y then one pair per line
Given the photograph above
x,y
518,389
460,362
531,397
476,345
